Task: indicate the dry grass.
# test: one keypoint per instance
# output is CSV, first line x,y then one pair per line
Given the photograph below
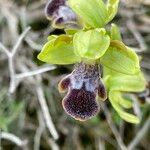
x,y
40,122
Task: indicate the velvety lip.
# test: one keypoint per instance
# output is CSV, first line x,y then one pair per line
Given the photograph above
x,y
83,85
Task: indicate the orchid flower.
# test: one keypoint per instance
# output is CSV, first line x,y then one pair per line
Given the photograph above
x,y
84,86
89,47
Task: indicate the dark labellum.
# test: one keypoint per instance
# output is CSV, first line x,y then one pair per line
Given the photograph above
x,y
84,86
60,13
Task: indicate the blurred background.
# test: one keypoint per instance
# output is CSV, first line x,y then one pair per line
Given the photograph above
x,y
31,114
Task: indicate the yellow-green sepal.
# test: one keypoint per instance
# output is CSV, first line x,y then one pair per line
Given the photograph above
x,y
127,83
58,50
94,13
121,58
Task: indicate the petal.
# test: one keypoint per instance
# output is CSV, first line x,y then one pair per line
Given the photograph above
x,y
102,91
80,104
63,84
91,44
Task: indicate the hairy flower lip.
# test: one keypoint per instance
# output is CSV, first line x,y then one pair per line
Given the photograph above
x,y
84,86
80,104
79,118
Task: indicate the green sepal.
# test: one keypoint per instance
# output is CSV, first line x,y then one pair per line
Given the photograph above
x,y
120,58
92,12
95,13
91,44
127,83
59,50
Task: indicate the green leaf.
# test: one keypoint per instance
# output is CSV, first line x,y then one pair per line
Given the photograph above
x,y
91,44
15,111
112,7
115,33
9,110
92,12
59,51
3,123
114,97
120,58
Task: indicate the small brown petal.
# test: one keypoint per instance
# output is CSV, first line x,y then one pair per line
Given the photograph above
x,y
63,84
102,91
